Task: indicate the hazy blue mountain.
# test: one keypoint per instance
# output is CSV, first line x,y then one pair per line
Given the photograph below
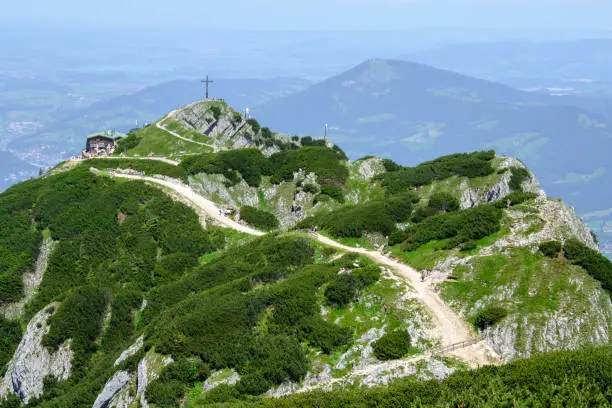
x,y
566,67
13,170
411,112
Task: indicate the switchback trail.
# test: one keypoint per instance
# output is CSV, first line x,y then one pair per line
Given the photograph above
x,y
449,326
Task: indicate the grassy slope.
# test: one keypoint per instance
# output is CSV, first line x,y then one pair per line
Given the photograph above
x,y
156,142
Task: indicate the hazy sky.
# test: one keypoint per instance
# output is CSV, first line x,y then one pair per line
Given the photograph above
x,y
311,14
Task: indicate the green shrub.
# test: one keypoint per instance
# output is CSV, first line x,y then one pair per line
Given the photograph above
x,y
79,318
392,345
342,290
551,249
443,202
254,125
477,164
127,143
519,175
454,242
233,164
165,394
311,188
438,203
326,336
149,167
236,118
488,316
470,224
594,263
10,401
390,165
566,378
467,246
334,192
309,141
516,198
10,336
216,112
258,218
354,221
266,133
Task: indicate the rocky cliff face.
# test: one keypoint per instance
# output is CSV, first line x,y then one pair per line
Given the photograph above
x,y
32,362
125,389
498,187
288,201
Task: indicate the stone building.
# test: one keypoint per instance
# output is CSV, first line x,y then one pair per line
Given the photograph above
x,y
102,144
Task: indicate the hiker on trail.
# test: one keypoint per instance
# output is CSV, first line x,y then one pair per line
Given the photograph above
x,y
422,276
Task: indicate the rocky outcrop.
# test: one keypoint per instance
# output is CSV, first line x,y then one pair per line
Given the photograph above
x,y
224,132
472,196
149,369
118,382
370,167
227,377
31,281
567,328
32,362
124,389
287,201
556,221
132,350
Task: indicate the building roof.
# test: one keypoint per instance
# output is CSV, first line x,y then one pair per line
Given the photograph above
x,y
111,134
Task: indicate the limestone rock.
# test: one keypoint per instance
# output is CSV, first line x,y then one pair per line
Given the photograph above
x,y
132,350
112,388
149,369
370,168
227,376
32,362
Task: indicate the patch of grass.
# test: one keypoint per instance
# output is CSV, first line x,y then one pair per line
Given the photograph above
x,y
177,127
157,142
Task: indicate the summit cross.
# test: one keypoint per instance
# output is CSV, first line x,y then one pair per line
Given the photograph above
x,y
207,82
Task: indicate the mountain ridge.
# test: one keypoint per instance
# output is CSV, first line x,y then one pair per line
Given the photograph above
x,y
146,301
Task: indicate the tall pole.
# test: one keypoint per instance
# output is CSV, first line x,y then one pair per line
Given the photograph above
x,y
325,136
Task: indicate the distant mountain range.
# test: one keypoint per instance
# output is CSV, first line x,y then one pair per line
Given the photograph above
x,y
13,170
581,67
412,112
147,105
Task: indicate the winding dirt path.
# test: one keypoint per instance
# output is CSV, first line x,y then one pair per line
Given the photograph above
x,y
448,325
192,198
160,125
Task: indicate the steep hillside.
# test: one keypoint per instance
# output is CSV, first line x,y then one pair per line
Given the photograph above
x,y
411,113
189,278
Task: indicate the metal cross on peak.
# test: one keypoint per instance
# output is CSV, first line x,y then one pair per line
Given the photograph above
x,y
207,82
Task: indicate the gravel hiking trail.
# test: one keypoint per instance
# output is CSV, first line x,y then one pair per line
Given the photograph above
x,y
448,325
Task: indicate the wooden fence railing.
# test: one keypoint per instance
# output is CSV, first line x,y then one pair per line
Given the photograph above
x,y
455,346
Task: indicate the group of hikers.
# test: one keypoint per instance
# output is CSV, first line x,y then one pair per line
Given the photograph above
x,y
314,229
